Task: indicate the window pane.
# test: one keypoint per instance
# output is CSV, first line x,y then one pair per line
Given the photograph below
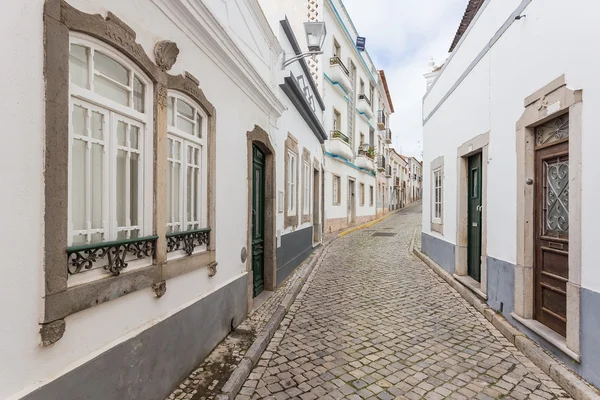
x,y
78,193
122,235
185,125
121,133
78,120
177,150
111,90
189,190
134,189
138,94
97,238
196,157
96,185
195,196
169,188
170,111
134,234
78,65
121,193
97,126
134,134
185,109
79,239
111,68
176,189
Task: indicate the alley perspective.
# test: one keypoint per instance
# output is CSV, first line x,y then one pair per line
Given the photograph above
x,y
299,199
374,322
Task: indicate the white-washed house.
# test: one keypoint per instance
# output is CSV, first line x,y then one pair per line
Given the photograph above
x,y
509,175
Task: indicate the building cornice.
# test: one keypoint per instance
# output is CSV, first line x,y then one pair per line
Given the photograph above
x,y
201,26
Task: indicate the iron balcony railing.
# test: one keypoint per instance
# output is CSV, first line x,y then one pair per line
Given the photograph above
x,y
388,171
388,135
397,182
381,118
339,135
365,98
337,61
381,163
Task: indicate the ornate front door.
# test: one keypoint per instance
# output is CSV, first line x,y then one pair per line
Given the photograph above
x,y
258,220
552,223
474,220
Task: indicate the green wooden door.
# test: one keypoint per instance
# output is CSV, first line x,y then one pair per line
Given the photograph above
x,y
474,221
258,220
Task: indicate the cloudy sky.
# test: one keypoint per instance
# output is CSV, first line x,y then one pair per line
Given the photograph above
x,y
402,36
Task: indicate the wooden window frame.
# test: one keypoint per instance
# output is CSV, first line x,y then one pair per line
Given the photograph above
x,y
291,214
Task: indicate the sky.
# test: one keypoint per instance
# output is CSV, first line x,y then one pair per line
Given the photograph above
x,y
402,36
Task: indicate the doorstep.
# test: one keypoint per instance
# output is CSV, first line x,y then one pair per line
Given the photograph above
x,y
547,334
471,284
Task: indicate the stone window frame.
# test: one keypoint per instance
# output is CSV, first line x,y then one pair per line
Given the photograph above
x,y
60,20
306,183
291,144
437,224
477,144
551,101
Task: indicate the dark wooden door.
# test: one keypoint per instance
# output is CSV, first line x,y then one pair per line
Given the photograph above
x,y
474,219
258,220
552,236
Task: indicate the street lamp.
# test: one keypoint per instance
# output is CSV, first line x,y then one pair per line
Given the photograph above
x,y
315,38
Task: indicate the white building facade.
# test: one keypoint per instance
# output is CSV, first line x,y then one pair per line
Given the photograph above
x,y
509,174
355,118
168,161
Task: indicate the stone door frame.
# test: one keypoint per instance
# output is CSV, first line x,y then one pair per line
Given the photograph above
x,y
478,144
547,103
260,138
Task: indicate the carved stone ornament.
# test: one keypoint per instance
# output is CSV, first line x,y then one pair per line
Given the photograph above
x,y
160,289
212,268
166,53
52,332
161,94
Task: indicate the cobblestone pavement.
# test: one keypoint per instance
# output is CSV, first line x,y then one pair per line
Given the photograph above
x,y
206,381
373,322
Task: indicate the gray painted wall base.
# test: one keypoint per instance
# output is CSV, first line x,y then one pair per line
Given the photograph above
x,y
295,247
501,297
501,286
439,250
150,365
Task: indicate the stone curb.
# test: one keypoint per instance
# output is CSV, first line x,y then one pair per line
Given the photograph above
x,y
235,382
568,380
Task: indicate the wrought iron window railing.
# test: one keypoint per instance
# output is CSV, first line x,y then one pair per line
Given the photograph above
x,y
339,135
87,257
365,98
381,163
188,240
381,118
389,170
337,61
366,150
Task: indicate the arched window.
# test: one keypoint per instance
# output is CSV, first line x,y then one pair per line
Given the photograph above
x,y
110,145
187,165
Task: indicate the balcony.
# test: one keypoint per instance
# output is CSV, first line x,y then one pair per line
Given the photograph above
x,y
366,157
388,171
381,163
381,120
397,182
388,136
364,106
340,145
338,73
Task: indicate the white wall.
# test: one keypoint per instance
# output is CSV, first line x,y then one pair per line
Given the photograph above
x,y
530,54
24,364
334,167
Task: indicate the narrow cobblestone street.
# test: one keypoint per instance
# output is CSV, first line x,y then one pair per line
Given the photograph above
x,y
373,322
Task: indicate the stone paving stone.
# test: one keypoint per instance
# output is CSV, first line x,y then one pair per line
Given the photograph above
x,y
374,322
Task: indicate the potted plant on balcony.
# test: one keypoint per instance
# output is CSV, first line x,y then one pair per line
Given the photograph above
x,y
371,153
